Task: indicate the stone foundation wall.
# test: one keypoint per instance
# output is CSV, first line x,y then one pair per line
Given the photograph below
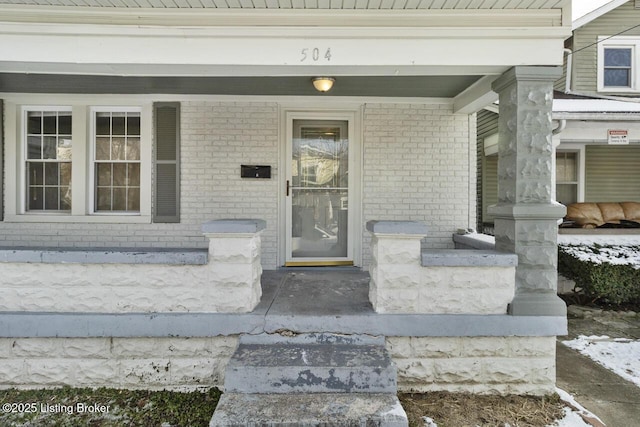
x,y
148,363
485,365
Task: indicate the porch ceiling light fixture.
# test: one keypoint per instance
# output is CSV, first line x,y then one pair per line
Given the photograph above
x,y
323,84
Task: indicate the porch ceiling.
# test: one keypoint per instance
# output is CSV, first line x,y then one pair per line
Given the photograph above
x,y
302,4
379,86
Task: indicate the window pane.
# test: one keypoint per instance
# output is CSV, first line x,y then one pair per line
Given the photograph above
x,y
49,124
133,199
36,199
103,124
119,199
103,148
51,198
617,77
64,123
119,174
133,174
117,123
50,174
133,148
104,174
35,173
49,147
65,173
34,122
65,198
617,57
34,147
64,148
133,124
117,148
103,202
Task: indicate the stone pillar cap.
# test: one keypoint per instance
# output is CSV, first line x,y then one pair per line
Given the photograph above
x,y
234,226
397,227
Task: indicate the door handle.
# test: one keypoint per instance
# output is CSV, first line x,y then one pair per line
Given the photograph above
x,y
288,187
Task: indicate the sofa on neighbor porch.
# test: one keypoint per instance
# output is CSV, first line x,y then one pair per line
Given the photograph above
x,y
610,215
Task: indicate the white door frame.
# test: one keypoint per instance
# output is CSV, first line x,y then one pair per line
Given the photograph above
x,y
353,118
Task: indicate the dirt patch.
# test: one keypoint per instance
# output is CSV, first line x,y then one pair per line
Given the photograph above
x,y
468,410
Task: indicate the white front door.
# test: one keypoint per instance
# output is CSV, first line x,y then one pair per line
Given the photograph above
x,y
319,186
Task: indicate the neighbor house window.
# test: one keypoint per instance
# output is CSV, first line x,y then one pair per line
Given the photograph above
x,y
567,177
48,160
116,148
617,67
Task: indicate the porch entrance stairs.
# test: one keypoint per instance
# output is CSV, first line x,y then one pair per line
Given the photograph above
x,y
310,380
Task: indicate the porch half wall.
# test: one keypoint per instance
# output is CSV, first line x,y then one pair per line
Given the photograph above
x,y
418,163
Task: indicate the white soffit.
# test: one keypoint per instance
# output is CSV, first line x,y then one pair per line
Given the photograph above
x,y
303,4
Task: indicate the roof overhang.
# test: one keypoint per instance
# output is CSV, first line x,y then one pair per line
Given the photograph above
x,y
461,39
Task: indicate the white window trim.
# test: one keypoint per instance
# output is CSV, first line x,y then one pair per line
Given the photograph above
x,y
622,42
144,140
580,149
82,174
22,177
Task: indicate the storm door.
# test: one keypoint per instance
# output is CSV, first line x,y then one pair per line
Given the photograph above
x,y
318,193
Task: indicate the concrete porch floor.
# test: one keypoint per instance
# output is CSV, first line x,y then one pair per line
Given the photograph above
x,y
315,292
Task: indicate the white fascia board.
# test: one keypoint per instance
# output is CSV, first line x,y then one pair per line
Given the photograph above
x,y
322,50
601,106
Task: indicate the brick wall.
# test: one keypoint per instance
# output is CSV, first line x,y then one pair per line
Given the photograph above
x,y
416,167
216,139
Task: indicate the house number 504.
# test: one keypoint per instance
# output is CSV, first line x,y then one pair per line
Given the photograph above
x,y
315,54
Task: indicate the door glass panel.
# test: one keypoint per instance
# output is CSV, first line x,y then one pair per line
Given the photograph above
x,y
320,181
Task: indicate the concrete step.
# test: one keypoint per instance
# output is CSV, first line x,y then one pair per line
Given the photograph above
x,y
310,368
309,410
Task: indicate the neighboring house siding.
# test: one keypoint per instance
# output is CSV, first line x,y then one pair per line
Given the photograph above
x,y
418,166
585,49
612,173
488,167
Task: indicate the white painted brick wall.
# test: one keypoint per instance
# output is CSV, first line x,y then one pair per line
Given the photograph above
x,y
149,363
416,167
487,365
216,139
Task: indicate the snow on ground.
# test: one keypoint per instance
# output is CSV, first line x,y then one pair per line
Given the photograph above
x,y
621,356
573,415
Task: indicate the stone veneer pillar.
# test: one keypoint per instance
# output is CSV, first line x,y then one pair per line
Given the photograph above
x,y
526,215
234,259
395,265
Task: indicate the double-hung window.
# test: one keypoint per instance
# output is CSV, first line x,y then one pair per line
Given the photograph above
x,y
116,160
617,64
618,67
48,160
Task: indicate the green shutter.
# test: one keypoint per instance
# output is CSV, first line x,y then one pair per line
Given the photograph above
x,y
612,173
167,162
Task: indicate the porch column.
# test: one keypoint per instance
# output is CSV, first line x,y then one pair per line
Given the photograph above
x,y
234,262
526,215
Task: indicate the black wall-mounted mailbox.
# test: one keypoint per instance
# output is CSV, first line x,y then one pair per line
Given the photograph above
x,y
255,171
